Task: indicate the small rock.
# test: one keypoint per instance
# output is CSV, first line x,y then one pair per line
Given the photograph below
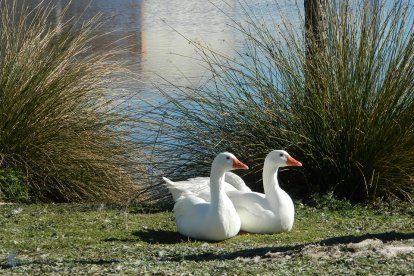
x,y
44,256
256,259
11,261
162,253
16,211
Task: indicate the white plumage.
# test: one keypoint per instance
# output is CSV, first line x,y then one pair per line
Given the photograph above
x,y
215,219
270,212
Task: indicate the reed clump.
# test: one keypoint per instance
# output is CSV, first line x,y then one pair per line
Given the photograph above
x,y
344,108
63,130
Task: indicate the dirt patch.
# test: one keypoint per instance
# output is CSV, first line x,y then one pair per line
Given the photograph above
x,y
364,248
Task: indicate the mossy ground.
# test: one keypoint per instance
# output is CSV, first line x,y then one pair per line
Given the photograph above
x,y
78,239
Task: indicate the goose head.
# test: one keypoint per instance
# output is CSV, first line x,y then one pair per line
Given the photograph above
x,y
227,162
280,158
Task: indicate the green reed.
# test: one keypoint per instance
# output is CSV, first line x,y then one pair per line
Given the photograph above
x,y
345,111
61,125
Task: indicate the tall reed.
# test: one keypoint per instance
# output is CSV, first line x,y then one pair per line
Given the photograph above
x,y
346,111
61,124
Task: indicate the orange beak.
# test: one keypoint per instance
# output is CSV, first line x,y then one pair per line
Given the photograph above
x,y
239,165
293,162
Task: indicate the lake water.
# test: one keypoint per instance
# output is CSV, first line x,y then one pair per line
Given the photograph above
x,y
153,31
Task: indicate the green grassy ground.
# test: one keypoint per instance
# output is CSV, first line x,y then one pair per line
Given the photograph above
x,y
101,239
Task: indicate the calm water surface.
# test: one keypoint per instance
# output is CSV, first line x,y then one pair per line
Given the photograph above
x,y
153,30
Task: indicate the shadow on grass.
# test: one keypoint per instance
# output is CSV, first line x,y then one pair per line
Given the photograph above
x,y
160,236
95,262
165,237
292,249
384,237
56,263
123,240
246,253
152,236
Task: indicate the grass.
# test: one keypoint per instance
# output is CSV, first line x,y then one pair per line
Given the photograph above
x,y
62,125
345,111
100,239
12,186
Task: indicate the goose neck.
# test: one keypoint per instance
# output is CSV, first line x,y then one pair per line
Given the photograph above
x,y
270,182
216,187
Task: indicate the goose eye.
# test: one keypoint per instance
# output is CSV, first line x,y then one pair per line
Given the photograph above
x,y
228,157
281,155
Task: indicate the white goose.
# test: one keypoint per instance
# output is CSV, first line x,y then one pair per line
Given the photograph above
x,y
215,220
201,186
270,212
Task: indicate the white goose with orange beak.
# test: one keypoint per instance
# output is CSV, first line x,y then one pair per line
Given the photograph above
x,y
270,212
217,219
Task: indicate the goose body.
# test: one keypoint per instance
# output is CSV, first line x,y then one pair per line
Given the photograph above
x,y
212,220
270,212
201,186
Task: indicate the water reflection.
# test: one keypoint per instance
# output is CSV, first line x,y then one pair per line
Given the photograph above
x,y
164,23
153,30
